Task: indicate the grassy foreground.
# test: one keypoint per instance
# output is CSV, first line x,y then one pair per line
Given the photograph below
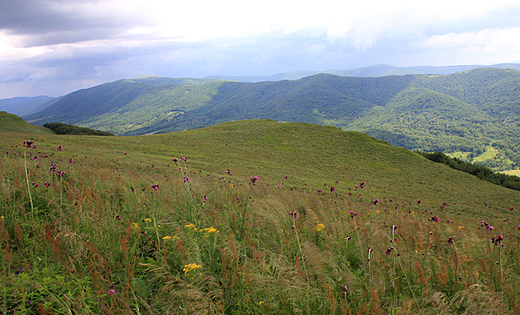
x,y
252,217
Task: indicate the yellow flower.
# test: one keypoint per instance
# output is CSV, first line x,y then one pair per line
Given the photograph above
x,y
319,227
136,226
166,237
148,220
2,217
461,226
191,225
261,302
377,211
210,230
189,267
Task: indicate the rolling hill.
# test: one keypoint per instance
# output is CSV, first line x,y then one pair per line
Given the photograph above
x,y
15,124
474,115
253,216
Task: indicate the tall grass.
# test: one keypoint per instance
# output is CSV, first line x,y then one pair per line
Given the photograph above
x,y
129,237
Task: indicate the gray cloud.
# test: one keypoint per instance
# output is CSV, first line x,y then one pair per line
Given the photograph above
x,y
91,41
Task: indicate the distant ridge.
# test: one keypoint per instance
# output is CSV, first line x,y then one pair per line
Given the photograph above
x,y
24,105
370,71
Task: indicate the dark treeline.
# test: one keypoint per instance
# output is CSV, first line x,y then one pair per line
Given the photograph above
x,y
482,172
64,129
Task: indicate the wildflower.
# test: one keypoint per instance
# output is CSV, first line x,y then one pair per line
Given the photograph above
x,y
294,214
136,226
28,143
389,250
319,191
111,292
189,267
2,218
59,148
518,227
376,201
147,220
461,226
394,228
319,227
511,208
118,217
155,187
166,238
435,219
450,240
489,227
210,230
253,179
496,240
191,225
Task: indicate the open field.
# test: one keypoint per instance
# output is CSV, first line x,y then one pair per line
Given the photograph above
x,y
251,217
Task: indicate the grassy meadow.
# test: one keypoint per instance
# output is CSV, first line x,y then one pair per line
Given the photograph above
x,y
249,217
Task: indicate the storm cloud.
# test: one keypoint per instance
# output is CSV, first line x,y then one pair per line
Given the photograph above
x,y
54,47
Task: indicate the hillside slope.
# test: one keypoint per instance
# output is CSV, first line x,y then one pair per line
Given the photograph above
x,y
14,124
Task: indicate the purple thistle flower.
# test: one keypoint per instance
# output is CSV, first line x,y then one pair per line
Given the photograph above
x,y
389,250
496,240
489,227
294,214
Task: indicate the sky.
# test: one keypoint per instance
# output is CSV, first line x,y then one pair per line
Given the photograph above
x,y
53,47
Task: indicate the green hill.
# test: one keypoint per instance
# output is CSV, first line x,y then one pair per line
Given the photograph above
x,y
473,115
13,123
253,217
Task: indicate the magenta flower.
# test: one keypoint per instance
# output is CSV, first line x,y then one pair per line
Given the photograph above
x,y
253,179
59,148
389,250
450,240
496,240
111,292
435,219
294,214
489,227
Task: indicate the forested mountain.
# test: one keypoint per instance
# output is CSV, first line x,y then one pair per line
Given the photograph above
x,y
474,115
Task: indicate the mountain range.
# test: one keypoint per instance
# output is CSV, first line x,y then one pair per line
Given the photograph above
x,y
473,115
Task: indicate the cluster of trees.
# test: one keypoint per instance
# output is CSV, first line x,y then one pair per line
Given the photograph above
x,y
482,172
64,129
